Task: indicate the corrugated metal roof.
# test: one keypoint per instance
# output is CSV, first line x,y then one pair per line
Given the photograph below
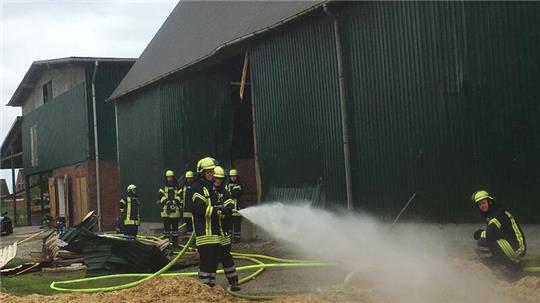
x,y
27,83
196,30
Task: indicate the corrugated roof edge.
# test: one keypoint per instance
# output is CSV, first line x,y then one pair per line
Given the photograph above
x,y
116,96
14,99
16,124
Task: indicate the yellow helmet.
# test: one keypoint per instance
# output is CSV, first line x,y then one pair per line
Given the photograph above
x,y
131,187
205,164
169,173
219,172
189,174
480,195
233,172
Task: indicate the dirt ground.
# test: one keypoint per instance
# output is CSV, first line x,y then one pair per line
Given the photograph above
x,y
289,285
21,233
182,289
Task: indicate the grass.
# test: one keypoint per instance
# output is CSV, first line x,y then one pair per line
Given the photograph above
x,y
16,262
38,283
35,283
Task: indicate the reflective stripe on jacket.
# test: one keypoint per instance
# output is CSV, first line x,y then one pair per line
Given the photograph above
x,y
171,204
130,210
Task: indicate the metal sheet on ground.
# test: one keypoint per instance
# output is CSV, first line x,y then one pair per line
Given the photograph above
x,y
7,254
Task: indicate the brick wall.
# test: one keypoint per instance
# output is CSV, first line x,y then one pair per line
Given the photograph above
x,y
74,173
110,195
82,186
246,171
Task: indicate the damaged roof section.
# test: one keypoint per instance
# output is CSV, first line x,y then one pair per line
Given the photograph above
x,y
196,30
106,254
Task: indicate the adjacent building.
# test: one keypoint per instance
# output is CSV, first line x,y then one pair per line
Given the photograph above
x,y
68,132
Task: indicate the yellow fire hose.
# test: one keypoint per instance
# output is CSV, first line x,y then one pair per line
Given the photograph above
x,y
259,267
123,286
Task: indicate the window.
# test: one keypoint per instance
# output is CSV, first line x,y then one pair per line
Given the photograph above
x,y
33,145
47,92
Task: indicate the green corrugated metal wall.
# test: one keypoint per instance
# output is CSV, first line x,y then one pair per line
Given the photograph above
x,y
61,131
297,116
139,140
443,100
171,126
197,120
109,74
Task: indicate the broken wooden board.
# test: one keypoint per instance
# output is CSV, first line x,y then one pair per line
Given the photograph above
x,y
72,267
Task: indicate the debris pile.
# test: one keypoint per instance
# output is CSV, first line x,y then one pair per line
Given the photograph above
x,y
81,248
110,254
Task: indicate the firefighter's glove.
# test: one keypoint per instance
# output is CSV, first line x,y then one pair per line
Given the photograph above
x,y
226,211
477,234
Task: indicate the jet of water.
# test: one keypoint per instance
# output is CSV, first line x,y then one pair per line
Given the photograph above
x,y
409,263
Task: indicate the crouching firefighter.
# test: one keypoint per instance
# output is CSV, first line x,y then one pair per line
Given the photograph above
x,y
206,213
502,244
226,206
130,207
171,207
185,192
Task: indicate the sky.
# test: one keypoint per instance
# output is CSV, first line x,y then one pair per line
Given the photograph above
x,y
47,29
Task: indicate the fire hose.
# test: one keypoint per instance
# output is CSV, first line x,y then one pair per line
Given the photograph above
x,y
259,266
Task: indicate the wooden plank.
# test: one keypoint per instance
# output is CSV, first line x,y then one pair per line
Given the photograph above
x,y
68,262
66,200
52,198
83,197
27,269
73,267
32,236
244,75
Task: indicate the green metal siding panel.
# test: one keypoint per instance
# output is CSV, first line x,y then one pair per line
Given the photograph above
x,y
140,155
172,126
297,116
444,101
197,120
62,137
107,79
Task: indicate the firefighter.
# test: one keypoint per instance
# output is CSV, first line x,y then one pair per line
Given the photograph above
x,y
130,208
171,207
187,211
225,223
502,244
206,212
234,189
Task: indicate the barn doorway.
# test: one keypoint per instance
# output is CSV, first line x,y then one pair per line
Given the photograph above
x,y
243,156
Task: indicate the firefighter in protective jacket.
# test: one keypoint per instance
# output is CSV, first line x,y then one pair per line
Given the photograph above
x,y
502,243
234,190
186,189
130,212
225,221
207,212
171,207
